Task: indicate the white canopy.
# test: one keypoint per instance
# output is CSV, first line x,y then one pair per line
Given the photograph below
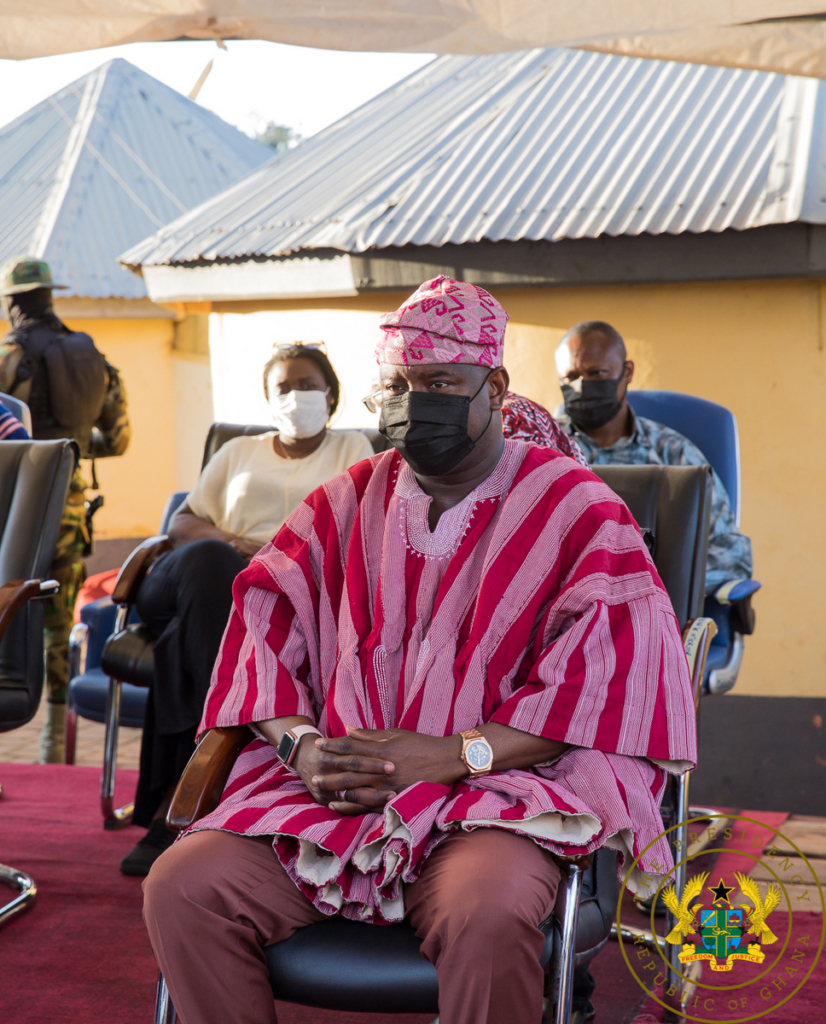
x,y
776,35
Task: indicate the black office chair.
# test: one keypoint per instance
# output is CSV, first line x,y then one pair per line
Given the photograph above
x,y
34,482
347,965
127,655
681,562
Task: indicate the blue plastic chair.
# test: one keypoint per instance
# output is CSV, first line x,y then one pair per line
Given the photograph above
x,y
89,684
713,429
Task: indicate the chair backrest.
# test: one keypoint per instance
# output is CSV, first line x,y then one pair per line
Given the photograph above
x,y
711,427
34,482
20,410
220,433
173,503
674,503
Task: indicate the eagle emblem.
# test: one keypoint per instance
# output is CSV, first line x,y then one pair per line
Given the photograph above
x,y
680,909
721,927
756,916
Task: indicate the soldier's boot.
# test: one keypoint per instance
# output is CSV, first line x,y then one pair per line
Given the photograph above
x,y
53,735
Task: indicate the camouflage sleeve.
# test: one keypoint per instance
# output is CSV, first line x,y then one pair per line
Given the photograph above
x,y
729,551
10,355
112,431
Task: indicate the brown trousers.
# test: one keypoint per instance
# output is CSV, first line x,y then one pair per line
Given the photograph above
x,y
214,899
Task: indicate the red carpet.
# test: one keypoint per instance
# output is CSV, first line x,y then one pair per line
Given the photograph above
x,y
81,955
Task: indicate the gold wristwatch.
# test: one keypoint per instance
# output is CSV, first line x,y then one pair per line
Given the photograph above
x,y
477,753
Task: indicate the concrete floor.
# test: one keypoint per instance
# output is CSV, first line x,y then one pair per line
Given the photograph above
x,y
21,745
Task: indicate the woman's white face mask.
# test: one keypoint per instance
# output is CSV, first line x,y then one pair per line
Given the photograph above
x,y
300,413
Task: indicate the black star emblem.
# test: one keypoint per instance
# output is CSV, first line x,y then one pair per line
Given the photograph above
x,y
721,891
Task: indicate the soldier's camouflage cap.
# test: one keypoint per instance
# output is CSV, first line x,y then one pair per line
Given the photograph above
x,y
25,274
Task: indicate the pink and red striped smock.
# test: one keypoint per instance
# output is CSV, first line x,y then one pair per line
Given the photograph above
x,y
533,603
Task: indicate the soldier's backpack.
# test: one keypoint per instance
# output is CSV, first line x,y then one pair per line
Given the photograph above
x,y
62,377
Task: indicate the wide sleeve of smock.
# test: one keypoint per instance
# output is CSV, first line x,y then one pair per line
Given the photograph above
x,y
279,649
266,668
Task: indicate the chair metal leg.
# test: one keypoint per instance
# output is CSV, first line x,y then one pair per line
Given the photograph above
x,y
25,898
78,645
703,812
721,680
573,888
639,936
164,1010
679,849
112,817
71,729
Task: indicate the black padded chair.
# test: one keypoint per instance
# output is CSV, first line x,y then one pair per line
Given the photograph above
x,y
654,494
346,965
34,482
127,655
220,433
672,506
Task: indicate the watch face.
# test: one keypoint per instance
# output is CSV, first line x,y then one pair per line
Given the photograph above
x,y
478,754
285,747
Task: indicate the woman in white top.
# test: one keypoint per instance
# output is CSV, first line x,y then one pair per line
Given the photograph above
x,y
244,494
252,484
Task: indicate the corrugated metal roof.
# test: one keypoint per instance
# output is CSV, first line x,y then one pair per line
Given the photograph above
x,y
98,165
547,144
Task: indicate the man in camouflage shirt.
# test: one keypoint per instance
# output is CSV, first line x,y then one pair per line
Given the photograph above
x,y
26,287
594,374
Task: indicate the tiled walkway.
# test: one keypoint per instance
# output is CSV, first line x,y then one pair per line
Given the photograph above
x,y
21,745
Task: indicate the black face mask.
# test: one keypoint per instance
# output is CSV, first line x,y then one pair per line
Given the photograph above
x,y
429,431
594,405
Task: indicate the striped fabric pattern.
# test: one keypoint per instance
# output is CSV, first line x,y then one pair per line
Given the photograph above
x,y
533,603
11,429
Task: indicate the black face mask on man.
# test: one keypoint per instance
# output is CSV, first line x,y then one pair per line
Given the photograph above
x,y
590,404
430,431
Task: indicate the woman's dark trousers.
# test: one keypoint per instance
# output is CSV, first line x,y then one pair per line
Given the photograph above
x,y
185,600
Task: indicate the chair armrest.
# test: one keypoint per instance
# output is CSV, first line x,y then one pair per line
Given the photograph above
x,y
697,637
737,595
136,566
736,590
15,593
202,783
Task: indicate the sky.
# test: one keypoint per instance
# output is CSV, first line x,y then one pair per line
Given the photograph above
x,y
250,84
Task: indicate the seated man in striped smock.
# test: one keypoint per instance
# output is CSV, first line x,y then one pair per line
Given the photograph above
x,y
459,662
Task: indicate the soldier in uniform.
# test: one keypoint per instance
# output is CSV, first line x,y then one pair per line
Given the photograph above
x,y
72,391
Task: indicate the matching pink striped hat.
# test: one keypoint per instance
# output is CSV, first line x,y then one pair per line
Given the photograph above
x,y
444,321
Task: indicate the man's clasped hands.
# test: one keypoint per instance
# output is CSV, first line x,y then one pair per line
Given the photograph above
x,y
361,771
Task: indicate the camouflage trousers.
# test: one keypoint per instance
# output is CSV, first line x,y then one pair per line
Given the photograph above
x,y
68,569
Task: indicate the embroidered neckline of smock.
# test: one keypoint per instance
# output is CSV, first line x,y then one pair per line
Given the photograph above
x,y
455,523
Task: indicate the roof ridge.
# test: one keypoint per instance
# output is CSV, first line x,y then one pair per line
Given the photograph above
x,y
103,161
72,152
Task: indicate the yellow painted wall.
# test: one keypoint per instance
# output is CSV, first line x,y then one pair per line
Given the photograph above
x,y
756,347
136,485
